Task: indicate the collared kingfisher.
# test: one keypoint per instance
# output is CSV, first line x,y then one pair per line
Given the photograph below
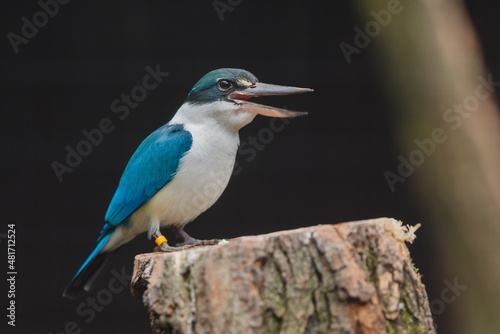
x,y
181,169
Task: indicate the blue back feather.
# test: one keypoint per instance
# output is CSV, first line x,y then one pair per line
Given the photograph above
x,y
153,165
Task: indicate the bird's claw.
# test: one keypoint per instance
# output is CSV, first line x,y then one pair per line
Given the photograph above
x,y
165,247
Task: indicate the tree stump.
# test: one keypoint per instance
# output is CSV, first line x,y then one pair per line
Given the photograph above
x,y
354,277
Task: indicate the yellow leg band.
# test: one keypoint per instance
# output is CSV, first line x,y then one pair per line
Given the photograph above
x,y
161,239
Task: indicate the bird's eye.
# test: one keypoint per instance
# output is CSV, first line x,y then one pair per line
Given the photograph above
x,y
224,84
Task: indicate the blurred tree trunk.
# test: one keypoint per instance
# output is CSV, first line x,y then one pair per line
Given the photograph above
x,y
348,278
447,122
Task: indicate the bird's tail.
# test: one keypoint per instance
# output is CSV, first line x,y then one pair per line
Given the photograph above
x,y
86,276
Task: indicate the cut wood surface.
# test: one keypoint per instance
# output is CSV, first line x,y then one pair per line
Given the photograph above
x,y
354,277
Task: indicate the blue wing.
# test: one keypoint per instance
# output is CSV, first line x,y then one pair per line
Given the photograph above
x,y
153,165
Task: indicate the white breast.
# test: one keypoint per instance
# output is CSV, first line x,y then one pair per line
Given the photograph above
x,y
203,173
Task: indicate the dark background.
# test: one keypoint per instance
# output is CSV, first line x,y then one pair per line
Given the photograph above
x,y
325,168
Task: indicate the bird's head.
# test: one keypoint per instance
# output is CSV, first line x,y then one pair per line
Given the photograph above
x,y
222,96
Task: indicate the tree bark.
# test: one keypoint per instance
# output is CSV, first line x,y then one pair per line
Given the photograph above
x,y
354,277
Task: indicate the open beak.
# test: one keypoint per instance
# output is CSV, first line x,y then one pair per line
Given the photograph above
x,y
262,89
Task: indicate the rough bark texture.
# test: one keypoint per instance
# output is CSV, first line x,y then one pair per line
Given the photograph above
x,y
353,277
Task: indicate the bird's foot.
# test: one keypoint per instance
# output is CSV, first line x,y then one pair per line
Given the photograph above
x,y
188,240
186,243
165,247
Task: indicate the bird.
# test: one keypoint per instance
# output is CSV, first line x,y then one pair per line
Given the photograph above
x,y
181,169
